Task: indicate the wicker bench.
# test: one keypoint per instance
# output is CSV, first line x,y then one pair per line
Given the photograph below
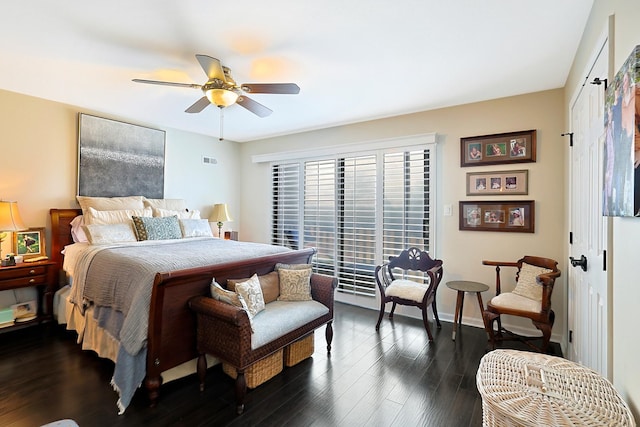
x,y
224,331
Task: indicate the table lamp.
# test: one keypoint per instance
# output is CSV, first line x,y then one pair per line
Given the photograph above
x,y
219,215
10,220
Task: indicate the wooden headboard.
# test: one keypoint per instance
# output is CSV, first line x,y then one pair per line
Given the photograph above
x,y
61,232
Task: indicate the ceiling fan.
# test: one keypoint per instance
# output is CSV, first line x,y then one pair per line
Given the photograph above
x,y
222,90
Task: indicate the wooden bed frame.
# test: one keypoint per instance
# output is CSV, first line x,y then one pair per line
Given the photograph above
x,y
171,337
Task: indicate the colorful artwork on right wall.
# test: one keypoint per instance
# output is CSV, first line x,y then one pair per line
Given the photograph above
x,y
621,187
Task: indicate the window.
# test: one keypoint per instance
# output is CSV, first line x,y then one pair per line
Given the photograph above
x,y
356,210
285,200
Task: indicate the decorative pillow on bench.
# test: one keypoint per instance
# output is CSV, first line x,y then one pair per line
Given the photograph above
x,y
251,295
295,282
223,295
269,283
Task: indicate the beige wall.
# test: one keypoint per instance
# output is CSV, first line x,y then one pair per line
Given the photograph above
x,y
39,161
625,231
462,251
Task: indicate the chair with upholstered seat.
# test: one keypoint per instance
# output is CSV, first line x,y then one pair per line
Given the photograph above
x,y
417,287
531,298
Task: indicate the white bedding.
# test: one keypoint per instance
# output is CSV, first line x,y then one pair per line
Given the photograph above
x,y
92,337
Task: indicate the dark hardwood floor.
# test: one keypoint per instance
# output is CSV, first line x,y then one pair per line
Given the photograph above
x,y
391,378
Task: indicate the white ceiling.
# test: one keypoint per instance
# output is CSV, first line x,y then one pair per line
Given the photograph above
x,y
354,60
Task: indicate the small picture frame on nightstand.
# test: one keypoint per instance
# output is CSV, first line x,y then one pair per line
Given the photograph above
x,y
30,243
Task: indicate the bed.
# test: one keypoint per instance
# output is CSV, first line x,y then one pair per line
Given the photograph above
x,y
169,331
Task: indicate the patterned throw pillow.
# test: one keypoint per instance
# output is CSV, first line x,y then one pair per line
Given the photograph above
x,y
157,228
295,282
527,286
223,295
251,295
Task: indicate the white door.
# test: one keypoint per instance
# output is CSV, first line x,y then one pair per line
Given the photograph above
x,y
588,305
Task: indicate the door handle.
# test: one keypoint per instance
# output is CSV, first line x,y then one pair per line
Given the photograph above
x,y
582,262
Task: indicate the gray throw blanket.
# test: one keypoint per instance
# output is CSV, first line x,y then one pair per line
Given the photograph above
x,y
118,281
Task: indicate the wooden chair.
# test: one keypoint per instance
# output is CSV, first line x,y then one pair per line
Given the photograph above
x,y
418,292
531,298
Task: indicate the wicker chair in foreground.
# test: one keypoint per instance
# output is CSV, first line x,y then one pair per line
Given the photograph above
x,y
531,298
417,287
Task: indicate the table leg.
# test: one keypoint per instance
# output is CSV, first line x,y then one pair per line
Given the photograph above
x,y
457,318
480,303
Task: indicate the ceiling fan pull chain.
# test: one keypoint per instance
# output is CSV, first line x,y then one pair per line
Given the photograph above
x,y
221,123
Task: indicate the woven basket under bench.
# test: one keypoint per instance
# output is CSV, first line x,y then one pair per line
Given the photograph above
x,y
267,368
298,351
260,372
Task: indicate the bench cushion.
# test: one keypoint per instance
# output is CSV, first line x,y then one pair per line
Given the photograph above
x,y
281,317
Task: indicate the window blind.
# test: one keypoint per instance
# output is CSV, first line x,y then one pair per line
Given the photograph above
x,y
285,226
356,213
406,201
319,213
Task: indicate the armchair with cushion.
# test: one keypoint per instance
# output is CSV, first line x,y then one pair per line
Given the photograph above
x,y
417,290
531,298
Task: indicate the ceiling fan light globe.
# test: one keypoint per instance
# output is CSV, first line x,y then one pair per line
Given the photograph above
x,y
221,97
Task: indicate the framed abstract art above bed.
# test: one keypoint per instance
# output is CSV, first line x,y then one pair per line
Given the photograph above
x,y
119,159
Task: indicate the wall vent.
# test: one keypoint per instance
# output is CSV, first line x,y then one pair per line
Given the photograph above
x,y
209,160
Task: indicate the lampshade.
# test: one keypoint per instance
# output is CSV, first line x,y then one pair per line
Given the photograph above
x,y
10,219
220,213
221,97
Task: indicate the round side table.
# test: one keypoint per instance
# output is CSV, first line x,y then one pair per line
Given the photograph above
x,y
463,286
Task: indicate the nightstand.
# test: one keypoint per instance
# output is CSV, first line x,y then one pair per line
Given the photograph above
x,y
40,274
230,235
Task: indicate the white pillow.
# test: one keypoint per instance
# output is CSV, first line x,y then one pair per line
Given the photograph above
x,y
527,285
77,230
251,293
114,217
181,214
170,204
224,295
195,228
110,203
100,234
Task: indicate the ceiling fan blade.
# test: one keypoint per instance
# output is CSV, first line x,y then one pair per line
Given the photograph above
x,y
253,106
157,82
199,105
278,88
211,66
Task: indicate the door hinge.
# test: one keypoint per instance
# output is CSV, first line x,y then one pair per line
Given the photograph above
x,y
604,260
571,237
570,336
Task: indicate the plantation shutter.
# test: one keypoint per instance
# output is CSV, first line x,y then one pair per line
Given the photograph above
x,y
406,202
320,213
357,224
286,205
